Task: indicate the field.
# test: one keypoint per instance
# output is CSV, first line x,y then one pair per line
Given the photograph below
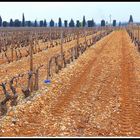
x,y
94,82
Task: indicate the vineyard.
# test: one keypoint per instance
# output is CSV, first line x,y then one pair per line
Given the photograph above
x,y
45,66
70,81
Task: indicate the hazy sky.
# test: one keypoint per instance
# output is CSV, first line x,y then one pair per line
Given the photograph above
x,y
67,10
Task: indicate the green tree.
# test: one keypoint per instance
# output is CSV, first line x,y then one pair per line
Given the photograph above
x,y
51,23
29,23
23,20
59,23
130,19
41,23
17,23
5,23
71,23
11,24
114,22
45,23
65,23
0,21
103,22
77,23
35,23
84,21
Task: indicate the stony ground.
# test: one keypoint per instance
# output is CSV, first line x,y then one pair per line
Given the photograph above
x,y
97,95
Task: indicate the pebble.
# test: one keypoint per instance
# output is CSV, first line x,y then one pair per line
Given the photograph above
x,y
63,127
17,130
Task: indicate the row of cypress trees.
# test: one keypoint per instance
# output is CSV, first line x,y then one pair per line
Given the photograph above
x,y
43,23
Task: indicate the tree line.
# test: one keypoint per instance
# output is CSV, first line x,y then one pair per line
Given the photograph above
x,y
43,23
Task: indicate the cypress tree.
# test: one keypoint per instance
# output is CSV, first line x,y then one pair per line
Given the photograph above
x,y
103,22
23,20
71,23
59,23
5,23
45,23
84,21
131,19
35,23
51,23
11,24
0,21
114,22
77,23
41,23
65,23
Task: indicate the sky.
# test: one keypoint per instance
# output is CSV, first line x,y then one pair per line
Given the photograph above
x,y
120,11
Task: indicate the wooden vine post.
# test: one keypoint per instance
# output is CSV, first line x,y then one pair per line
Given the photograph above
x,y
12,53
85,36
101,30
50,36
61,47
138,32
36,86
77,53
133,30
31,65
77,37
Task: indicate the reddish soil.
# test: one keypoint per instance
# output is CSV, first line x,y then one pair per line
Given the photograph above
x,y
97,95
